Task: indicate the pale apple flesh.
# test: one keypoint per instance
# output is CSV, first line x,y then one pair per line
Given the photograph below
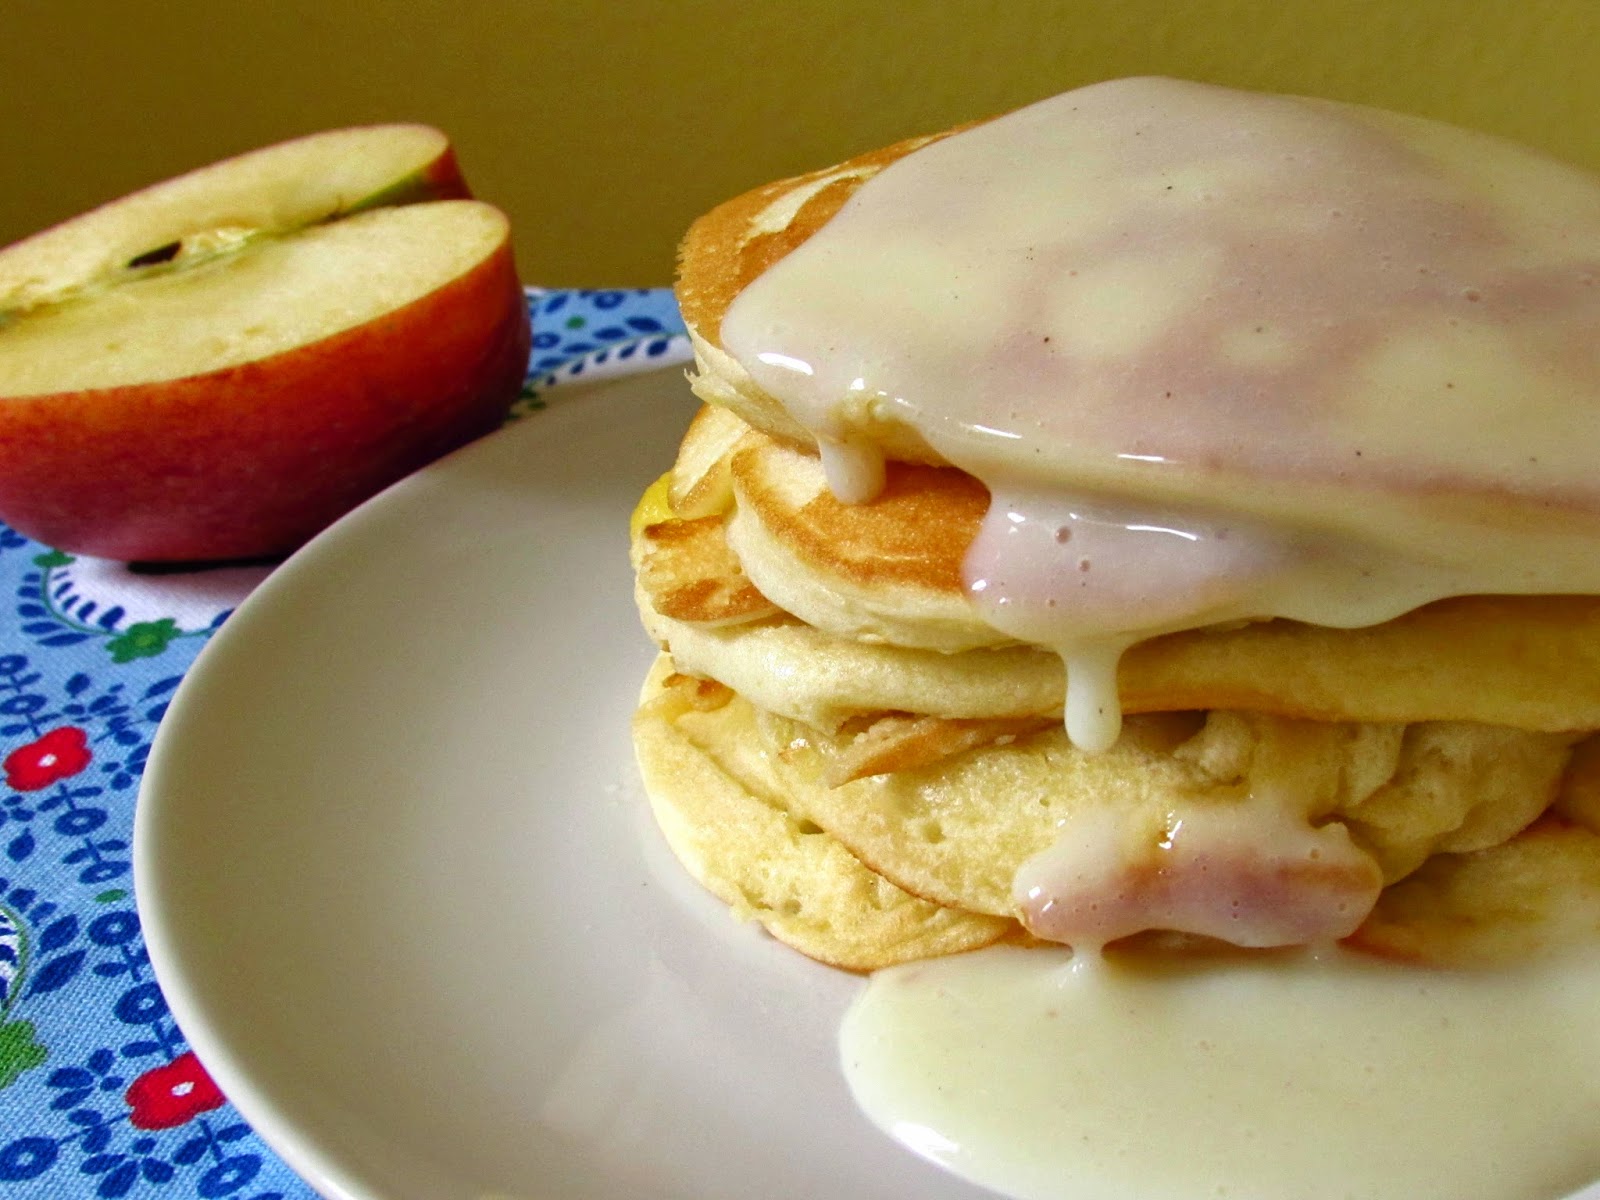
x,y
277,189
232,396
236,306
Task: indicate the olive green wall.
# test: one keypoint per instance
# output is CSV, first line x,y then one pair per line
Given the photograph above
x,y
604,128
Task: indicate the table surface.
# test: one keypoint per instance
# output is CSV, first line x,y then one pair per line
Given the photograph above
x,y
99,1093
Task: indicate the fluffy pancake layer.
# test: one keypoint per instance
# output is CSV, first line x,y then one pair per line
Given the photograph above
x,y
768,862
861,608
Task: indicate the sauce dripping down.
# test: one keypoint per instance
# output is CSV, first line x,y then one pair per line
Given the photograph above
x,y
1346,356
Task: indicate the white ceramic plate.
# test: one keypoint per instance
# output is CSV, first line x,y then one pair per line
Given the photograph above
x,y
399,883
400,886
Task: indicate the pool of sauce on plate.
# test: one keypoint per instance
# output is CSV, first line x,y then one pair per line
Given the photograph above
x,y
1285,1077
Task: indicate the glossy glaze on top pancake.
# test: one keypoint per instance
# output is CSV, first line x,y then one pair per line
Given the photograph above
x,y
1215,356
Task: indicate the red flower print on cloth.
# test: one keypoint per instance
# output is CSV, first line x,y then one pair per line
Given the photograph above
x,y
166,1096
58,754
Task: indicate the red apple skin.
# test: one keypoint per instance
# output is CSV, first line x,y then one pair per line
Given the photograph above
x,y
250,461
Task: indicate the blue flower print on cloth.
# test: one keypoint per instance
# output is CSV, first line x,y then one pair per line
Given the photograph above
x,y
130,612
581,336
100,1095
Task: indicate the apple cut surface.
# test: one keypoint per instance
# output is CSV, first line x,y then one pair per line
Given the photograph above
x,y
270,295
277,189
221,365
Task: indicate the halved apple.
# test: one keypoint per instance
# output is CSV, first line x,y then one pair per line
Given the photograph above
x,y
218,366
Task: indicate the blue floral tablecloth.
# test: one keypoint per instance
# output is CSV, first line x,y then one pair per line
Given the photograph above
x,y
99,1094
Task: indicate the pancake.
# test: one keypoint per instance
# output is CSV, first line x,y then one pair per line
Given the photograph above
x,y
770,864
1527,662
1359,696
889,571
1547,210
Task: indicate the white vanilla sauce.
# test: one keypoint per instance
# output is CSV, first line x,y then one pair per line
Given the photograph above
x,y
1257,872
1360,344
1280,1077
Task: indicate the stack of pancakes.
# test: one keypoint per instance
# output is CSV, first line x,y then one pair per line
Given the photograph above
x,y
835,744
